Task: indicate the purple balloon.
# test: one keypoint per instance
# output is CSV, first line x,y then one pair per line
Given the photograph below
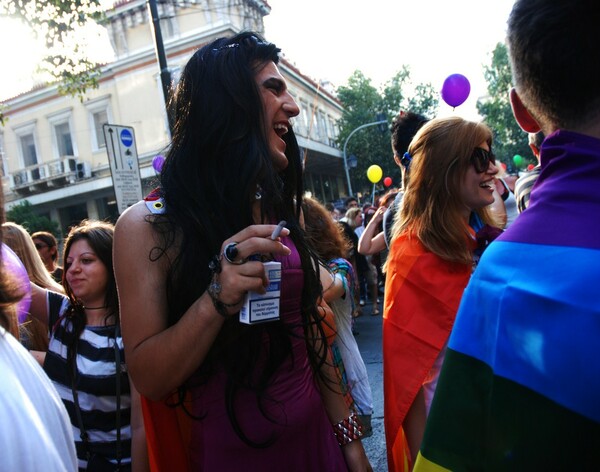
x,y
456,89
13,265
158,162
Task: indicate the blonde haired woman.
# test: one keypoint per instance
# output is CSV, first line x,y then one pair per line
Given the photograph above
x,y
431,259
35,334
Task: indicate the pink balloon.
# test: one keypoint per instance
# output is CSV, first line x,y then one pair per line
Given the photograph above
x,y
387,181
13,266
456,89
158,162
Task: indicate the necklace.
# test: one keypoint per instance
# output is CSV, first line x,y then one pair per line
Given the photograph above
x,y
94,307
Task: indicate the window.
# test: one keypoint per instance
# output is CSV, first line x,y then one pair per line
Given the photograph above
x,y
100,119
3,167
28,150
304,119
99,113
27,147
63,139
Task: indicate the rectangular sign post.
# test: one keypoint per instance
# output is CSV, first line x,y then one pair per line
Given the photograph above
x,y
123,159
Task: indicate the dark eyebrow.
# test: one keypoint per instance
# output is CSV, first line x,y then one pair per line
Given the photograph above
x,y
275,83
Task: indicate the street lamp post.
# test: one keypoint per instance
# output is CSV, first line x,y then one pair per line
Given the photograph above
x,y
346,167
165,74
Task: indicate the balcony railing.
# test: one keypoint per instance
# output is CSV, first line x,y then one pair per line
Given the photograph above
x,y
47,174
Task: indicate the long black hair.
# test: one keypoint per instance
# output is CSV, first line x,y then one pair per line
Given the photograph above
x,y
218,159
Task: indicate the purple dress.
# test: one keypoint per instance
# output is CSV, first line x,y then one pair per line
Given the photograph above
x,y
304,439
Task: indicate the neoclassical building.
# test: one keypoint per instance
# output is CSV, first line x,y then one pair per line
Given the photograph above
x,y
53,149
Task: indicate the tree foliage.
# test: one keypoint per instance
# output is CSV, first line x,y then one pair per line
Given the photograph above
x,y
363,103
509,138
60,24
24,215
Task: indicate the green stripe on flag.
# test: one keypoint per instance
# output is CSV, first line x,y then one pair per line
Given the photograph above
x,y
479,421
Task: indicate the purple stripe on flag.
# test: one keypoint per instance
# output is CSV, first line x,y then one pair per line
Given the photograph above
x,y
565,201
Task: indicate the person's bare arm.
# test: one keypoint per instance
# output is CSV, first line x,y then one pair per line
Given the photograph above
x,y
160,358
372,240
329,387
333,287
39,303
337,411
498,208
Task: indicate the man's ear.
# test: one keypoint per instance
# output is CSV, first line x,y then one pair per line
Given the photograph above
x,y
522,115
397,160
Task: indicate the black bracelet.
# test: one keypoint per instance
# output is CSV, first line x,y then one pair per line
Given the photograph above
x,y
214,289
215,264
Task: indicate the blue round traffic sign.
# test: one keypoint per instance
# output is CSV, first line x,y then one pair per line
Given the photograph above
x,y
126,137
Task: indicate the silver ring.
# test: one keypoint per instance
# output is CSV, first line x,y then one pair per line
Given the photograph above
x,y
230,253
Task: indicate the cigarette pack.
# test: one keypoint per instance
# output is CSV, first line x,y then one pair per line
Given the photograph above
x,y
258,307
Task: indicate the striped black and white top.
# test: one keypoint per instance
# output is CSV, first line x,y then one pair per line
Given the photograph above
x,y
95,383
523,187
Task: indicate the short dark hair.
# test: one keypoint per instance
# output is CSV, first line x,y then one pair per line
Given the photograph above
x,y
404,128
348,200
48,239
552,46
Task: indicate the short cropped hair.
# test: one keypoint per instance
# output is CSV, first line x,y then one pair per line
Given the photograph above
x,y
553,48
404,128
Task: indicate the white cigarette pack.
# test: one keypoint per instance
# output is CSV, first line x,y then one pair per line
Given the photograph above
x,y
259,308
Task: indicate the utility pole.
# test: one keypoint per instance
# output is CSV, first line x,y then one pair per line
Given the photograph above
x,y
346,143
165,74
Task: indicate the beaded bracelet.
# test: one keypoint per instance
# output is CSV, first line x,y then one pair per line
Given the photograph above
x,y
348,430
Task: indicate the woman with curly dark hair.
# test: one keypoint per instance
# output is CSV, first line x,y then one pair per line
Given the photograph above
x,y
339,287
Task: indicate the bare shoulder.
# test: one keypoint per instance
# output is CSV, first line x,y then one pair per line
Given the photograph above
x,y
133,226
135,236
132,217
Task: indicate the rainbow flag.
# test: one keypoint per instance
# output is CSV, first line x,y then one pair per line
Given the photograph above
x,y
520,385
422,294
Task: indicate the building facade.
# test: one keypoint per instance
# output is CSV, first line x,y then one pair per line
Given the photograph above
x,y
53,148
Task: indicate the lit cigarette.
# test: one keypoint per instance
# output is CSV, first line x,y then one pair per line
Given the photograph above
x,y
277,231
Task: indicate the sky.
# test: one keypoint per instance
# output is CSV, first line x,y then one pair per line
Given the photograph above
x,y
330,39
18,62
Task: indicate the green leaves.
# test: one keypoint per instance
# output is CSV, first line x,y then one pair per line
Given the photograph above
x,y
363,102
24,215
60,25
509,138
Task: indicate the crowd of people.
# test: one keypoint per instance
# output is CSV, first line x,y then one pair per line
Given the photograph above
x,y
134,354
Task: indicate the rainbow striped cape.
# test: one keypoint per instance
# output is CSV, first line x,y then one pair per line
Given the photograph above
x,y
520,385
422,294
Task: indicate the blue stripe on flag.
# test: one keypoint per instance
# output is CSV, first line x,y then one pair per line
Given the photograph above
x,y
532,313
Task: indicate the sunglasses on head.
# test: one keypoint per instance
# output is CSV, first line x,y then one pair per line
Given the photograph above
x,y
40,246
480,159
